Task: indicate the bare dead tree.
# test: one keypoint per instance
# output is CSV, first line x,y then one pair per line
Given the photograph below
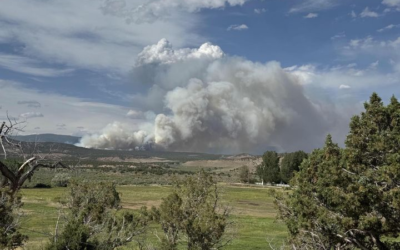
x,y
31,161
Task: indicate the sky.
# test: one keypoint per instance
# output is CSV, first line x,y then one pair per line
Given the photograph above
x,y
217,76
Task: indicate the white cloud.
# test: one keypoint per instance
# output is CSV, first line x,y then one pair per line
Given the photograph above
x,y
338,36
163,53
314,5
57,109
260,11
379,51
311,15
135,114
346,75
368,13
152,10
29,66
353,14
389,27
304,73
385,52
392,3
364,43
77,34
342,86
238,27
371,46
30,115
374,65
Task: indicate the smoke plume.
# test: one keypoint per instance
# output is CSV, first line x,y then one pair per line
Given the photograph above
x,y
211,102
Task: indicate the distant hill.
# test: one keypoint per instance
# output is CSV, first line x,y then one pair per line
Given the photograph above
x,y
68,151
67,139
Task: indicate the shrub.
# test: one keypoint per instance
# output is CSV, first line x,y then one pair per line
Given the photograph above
x,y
10,237
193,213
93,220
60,180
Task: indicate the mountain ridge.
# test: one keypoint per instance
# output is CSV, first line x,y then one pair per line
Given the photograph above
x,y
67,139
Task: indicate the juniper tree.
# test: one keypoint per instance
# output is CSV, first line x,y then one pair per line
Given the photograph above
x,y
193,214
93,222
350,198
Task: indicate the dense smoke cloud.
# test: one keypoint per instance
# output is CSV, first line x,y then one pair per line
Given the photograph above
x,y
210,102
116,136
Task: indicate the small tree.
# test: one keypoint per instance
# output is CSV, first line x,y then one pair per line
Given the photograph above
x,y
268,171
291,163
170,217
193,212
350,198
92,221
244,174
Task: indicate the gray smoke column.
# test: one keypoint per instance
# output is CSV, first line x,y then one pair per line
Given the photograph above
x,y
116,136
211,102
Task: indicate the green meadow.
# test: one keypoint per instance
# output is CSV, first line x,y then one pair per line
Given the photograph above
x,y
253,214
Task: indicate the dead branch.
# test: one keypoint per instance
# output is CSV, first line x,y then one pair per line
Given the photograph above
x,y
33,160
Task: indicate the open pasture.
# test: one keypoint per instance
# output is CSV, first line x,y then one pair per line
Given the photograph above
x,y
253,213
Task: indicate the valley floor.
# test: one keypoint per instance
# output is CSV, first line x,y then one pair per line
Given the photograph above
x,y
253,213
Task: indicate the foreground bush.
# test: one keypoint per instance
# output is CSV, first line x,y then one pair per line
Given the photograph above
x,y
192,214
10,237
93,220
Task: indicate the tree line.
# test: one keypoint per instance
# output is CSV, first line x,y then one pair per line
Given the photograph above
x,y
275,168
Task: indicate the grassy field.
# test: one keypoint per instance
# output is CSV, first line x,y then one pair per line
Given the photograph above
x,y
253,213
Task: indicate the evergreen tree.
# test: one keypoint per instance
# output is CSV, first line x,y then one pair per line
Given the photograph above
x,y
290,164
268,171
350,198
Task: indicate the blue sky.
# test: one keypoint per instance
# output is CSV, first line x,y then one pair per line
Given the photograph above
x,y
86,64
